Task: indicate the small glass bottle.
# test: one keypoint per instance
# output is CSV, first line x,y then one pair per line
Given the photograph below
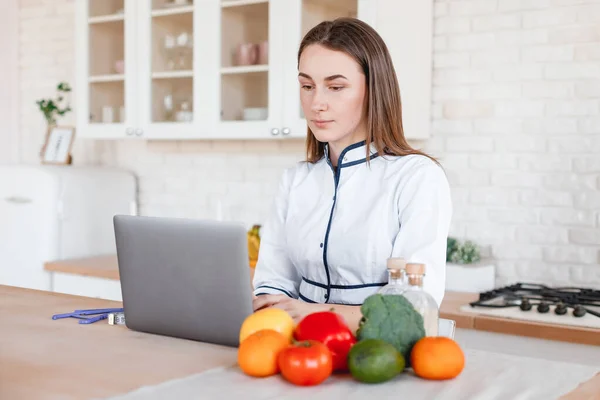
x,y
423,302
396,282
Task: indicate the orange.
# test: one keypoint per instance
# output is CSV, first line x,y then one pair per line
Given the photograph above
x,y
257,355
268,318
437,358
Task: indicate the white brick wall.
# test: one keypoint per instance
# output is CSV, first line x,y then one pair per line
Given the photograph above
x,y
516,123
525,110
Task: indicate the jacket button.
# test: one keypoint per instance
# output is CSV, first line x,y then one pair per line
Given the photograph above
x,y
321,245
326,296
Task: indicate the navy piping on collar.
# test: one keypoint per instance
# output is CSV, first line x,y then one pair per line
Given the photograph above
x,y
364,160
274,288
328,160
344,287
352,163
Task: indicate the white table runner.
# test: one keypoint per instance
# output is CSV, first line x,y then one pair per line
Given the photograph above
x,y
486,376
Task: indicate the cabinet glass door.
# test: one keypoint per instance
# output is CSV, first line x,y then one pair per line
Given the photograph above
x,y
303,15
245,89
166,61
106,71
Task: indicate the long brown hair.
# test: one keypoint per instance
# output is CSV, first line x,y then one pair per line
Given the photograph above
x,y
384,109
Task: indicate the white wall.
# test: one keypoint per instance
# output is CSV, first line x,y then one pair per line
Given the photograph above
x,y
9,84
516,124
517,120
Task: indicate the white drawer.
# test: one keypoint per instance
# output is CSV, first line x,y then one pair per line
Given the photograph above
x,y
88,286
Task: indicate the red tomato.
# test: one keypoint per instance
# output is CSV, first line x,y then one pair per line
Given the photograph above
x,y
305,363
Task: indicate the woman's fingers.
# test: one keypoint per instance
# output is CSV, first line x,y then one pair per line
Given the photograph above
x,y
288,307
267,300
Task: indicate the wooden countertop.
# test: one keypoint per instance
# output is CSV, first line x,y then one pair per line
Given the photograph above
x,y
451,309
104,266
45,359
41,358
107,267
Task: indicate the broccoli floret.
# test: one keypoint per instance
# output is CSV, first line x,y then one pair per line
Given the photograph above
x,y
391,318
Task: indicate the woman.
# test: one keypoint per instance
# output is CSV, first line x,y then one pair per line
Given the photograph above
x,y
362,196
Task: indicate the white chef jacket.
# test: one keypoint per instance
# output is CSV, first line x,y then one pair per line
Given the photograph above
x,y
329,235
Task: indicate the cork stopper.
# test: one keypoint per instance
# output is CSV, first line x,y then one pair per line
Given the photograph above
x,y
415,269
395,273
396,263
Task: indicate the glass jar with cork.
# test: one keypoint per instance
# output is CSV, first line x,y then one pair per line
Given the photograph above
x,y
396,281
422,301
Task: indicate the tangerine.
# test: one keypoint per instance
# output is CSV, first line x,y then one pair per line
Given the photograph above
x,y
437,358
257,354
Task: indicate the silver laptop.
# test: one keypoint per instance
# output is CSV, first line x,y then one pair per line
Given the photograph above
x,y
184,278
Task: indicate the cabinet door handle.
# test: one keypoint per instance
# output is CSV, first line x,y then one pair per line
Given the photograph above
x,y
18,200
139,132
129,131
274,131
286,131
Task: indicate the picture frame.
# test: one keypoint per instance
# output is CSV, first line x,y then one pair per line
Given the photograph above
x,y
58,145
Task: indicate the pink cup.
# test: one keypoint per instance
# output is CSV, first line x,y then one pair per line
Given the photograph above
x,y
263,53
246,54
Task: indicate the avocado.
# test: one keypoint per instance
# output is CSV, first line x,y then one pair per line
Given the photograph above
x,y
375,361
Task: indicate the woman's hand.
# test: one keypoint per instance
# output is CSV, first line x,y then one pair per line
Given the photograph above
x,y
299,309
267,300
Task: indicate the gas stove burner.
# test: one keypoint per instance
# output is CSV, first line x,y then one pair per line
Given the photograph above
x,y
541,297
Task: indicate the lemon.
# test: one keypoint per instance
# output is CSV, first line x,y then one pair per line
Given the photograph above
x,y
268,318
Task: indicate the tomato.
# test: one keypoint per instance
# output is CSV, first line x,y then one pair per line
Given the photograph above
x,y
305,363
268,318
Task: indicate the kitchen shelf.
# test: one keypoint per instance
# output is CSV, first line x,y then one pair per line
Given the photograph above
x,y
246,69
173,11
107,78
178,90
340,6
106,18
106,94
240,3
240,91
243,25
211,62
105,10
173,74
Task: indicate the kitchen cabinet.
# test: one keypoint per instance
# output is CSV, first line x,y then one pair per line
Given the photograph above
x,y
88,286
55,212
223,69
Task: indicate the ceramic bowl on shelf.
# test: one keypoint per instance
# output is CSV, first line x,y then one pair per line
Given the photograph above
x,y
255,113
120,66
177,3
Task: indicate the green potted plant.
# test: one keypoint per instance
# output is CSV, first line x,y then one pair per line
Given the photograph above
x,y
462,253
57,107
54,108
